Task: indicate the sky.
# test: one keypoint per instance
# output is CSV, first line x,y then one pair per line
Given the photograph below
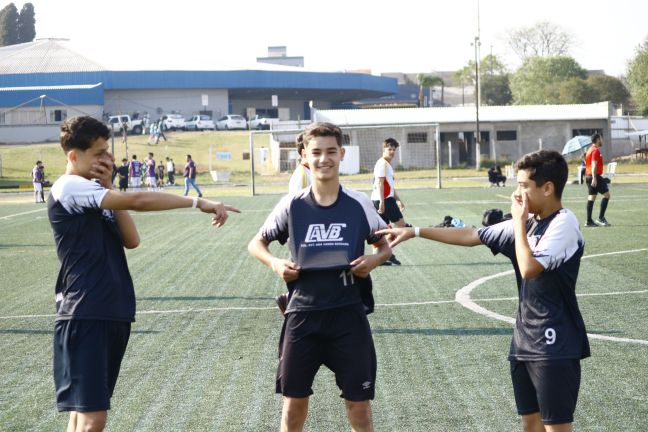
x,y
381,36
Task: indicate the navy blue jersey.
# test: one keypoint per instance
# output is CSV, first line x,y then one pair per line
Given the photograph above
x,y
549,324
323,241
94,281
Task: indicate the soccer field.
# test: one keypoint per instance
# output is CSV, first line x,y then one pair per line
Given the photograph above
x,y
203,352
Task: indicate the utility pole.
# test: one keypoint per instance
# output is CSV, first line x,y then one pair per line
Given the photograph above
x,y
477,43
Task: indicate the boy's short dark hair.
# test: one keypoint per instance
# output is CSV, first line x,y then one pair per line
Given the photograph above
x,y
544,166
81,132
391,142
134,157
189,156
596,137
125,160
322,129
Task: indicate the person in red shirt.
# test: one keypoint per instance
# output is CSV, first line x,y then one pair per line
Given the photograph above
x,y
596,184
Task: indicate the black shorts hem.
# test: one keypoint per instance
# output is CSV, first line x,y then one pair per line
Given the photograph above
x,y
67,408
556,422
294,394
528,412
357,398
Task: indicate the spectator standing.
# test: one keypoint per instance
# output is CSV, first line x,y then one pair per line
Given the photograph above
x,y
135,172
160,175
151,181
170,168
189,174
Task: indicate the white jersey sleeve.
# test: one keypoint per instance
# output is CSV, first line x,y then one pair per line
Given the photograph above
x,y
560,241
77,194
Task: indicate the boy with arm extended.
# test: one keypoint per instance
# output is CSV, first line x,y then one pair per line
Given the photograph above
x,y
95,298
326,226
545,246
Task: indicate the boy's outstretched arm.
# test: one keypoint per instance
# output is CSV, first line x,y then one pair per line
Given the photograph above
x,y
454,236
364,264
286,269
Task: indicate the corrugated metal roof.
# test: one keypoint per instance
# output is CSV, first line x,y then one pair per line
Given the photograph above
x,y
464,114
44,56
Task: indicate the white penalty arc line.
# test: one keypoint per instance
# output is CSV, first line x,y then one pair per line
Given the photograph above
x,y
463,298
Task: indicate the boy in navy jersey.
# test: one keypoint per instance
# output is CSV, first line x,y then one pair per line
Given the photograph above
x,y
545,245
95,299
325,226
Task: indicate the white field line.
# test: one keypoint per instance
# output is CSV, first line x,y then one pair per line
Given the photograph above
x,y
23,213
463,298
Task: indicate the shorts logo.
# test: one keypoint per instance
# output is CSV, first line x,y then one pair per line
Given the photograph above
x,y
319,233
366,385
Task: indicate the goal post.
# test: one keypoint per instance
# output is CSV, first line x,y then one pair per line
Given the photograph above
x,y
273,155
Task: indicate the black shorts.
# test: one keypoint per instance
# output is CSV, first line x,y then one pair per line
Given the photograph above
x,y
87,357
601,185
548,387
392,212
338,338
123,184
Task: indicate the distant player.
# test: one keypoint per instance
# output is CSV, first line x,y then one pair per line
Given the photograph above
x,y
596,184
95,299
122,172
135,172
37,182
383,195
326,226
151,181
545,245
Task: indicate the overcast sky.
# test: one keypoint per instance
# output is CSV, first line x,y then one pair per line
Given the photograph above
x,y
383,36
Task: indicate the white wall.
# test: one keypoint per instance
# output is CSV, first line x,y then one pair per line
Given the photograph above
x,y
186,101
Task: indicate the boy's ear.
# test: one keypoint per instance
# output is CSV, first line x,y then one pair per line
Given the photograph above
x,y
548,188
72,156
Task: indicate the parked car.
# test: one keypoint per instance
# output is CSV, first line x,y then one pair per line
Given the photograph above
x,y
261,122
174,122
118,121
199,122
231,121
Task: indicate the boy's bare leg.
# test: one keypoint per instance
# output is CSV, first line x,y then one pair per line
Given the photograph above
x,y
293,414
359,415
94,421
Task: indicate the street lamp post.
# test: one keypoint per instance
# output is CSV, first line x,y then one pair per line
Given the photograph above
x,y
477,43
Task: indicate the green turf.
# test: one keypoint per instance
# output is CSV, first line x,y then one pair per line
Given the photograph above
x,y
194,365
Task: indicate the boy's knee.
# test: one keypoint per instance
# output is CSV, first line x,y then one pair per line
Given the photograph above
x,y
359,413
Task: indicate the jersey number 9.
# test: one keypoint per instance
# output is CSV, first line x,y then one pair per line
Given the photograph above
x,y
550,334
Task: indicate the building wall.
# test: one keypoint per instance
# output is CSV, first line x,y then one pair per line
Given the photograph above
x,y
163,101
34,125
296,107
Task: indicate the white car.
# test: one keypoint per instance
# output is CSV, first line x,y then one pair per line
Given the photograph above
x,y
231,121
174,122
261,122
199,122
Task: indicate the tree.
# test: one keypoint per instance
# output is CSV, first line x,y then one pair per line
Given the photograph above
x,y
576,91
8,24
429,81
538,80
543,39
26,26
607,88
637,73
495,90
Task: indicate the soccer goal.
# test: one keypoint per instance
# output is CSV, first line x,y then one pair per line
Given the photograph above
x,y
273,155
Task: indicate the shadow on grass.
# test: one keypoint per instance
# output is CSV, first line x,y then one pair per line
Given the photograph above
x,y
447,331
200,298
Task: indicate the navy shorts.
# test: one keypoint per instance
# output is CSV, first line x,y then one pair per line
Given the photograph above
x,y
601,185
548,387
87,358
338,338
392,212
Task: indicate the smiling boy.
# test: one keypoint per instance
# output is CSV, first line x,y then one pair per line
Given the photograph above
x,y
326,226
545,246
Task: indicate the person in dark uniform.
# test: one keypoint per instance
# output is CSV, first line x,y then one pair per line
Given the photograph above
x,y
327,275
95,299
122,172
596,184
545,245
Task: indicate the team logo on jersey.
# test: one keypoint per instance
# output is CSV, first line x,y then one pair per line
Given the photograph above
x,y
319,232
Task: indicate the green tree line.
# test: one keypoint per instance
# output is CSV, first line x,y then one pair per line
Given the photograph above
x,y
17,27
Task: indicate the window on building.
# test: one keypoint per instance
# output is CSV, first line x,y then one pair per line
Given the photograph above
x,y
507,135
28,117
417,137
586,132
2,118
58,116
